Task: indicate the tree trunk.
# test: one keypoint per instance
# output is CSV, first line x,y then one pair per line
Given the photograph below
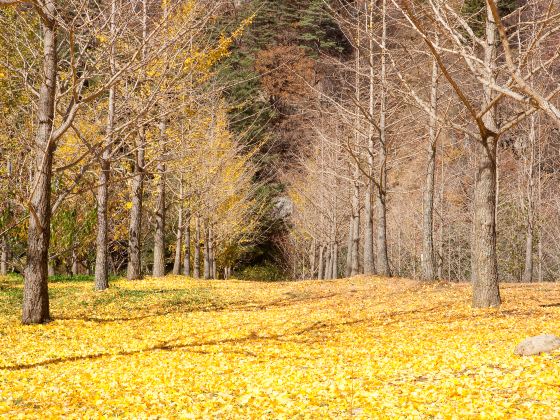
x,y
382,255
528,271
349,246
197,249
369,261
101,258
102,242
159,237
178,243
355,267
35,286
313,257
74,261
321,266
328,264
486,291
3,255
335,261
206,251
134,271
187,258
428,257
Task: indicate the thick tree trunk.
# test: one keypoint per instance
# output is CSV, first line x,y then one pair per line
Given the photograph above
x,y
35,287
134,271
486,291
197,249
428,256
187,258
159,236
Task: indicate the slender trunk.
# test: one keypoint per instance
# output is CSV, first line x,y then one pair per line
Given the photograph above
x,y
134,271
179,241
313,257
528,272
428,257
101,258
355,263
382,255
74,261
369,261
102,241
187,258
35,287
159,236
486,291
197,249
212,252
328,264
349,247
321,266
335,261
206,250
3,255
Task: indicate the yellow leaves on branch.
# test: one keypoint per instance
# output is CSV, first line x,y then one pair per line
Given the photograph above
x,y
363,348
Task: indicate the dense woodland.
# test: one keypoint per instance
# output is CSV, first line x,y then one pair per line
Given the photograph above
x,y
280,139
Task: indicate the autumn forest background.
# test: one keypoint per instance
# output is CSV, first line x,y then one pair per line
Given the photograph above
x,y
250,185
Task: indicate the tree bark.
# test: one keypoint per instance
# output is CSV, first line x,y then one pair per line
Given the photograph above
x,y
428,256
35,287
206,250
528,271
102,241
486,291
335,261
313,257
159,236
178,243
369,260
355,264
349,246
187,257
382,255
197,249
321,266
3,255
134,271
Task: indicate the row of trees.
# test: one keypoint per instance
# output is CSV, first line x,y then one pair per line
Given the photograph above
x,y
116,138
432,145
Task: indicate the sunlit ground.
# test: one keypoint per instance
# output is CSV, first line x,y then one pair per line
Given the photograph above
x,y
357,348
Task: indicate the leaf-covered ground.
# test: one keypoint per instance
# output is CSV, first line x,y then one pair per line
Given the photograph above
x,y
362,348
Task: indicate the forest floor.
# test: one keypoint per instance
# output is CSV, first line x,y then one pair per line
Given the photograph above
x,y
361,348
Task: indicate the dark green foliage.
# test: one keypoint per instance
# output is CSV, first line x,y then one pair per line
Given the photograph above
x,y
475,11
265,272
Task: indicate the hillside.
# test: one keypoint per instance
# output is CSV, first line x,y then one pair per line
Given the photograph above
x,y
361,347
